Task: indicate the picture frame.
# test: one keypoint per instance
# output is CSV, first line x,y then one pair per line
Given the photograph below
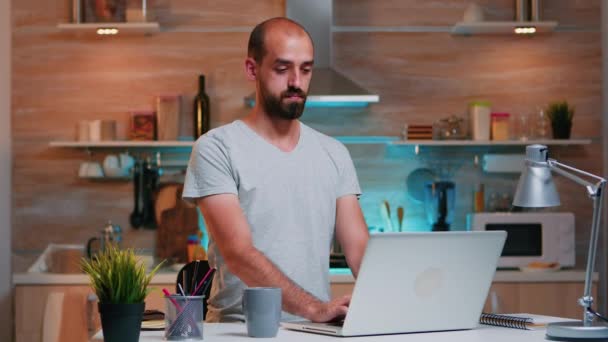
x,y
143,125
101,11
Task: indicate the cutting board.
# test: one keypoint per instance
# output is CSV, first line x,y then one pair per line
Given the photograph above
x,y
176,224
165,198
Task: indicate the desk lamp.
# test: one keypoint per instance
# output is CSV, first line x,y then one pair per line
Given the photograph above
x,y
536,189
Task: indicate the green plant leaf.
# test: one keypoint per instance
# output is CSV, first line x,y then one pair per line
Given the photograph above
x,y
117,276
560,113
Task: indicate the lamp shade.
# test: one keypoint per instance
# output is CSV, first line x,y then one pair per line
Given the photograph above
x,y
535,187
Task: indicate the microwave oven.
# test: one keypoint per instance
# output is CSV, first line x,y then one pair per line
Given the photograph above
x,y
531,236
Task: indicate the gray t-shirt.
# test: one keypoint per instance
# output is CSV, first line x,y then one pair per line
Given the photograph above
x,y
288,198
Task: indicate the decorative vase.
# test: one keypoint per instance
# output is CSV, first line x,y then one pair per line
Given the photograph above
x,y
121,322
562,130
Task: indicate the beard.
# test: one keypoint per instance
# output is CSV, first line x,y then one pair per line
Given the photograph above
x,y
275,107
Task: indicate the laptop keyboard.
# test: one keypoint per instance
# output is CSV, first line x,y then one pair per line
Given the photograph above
x,y
336,323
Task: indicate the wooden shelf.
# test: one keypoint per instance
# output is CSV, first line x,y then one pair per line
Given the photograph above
x,y
464,143
107,179
130,28
501,27
366,140
120,144
354,140
349,140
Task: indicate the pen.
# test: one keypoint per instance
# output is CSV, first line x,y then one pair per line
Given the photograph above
x,y
208,282
181,289
194,277
168,294
211,270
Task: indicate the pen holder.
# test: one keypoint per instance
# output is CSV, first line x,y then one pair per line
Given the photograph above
x,y
184,318
191,275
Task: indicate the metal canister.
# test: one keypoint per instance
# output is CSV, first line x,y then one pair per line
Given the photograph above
x,y
522,10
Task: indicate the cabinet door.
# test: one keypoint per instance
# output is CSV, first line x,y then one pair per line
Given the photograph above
x,y
74,319
66,320
156,298
502,298
341,289
553,299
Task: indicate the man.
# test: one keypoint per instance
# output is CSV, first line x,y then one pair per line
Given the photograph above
x,y
272,190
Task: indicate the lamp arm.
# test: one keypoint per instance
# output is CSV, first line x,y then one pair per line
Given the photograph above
x,y
596,192
556,166
587,301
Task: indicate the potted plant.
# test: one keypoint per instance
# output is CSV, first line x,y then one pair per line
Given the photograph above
x,y
560,115
121,284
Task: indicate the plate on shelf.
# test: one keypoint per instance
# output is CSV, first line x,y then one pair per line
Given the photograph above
x,y
177,267
415,182
107,179
541,267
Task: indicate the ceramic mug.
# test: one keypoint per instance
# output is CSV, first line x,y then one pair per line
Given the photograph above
x,y
262,310
83,171
90,169
111,166
94,170
95,130
126,162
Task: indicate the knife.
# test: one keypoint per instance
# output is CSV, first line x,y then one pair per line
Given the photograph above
x,y
400,213
386,216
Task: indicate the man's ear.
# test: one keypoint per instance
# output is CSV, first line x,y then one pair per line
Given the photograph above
x,y
251,69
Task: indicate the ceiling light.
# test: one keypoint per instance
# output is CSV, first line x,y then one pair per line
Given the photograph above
x,y
107,31
525,30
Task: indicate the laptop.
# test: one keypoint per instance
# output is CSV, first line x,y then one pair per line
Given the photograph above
x,y
418,282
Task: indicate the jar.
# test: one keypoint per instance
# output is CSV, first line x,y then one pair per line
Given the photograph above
x,y
167,116
479,118
541,126
479,199
449,128
500,126
137,11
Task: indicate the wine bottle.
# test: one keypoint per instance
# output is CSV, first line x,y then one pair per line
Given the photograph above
x,y
201,109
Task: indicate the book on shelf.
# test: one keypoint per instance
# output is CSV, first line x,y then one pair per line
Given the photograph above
x,y
524,321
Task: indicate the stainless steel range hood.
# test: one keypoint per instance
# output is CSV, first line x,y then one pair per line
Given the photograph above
x,y
328,87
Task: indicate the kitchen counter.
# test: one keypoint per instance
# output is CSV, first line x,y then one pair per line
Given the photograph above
x,y
343,276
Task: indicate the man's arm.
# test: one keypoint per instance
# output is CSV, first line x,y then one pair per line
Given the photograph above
x,y
229,229
351,231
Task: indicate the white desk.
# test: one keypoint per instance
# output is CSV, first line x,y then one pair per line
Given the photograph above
x,y
236,332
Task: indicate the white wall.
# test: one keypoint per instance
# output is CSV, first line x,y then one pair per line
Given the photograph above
x,y
6,298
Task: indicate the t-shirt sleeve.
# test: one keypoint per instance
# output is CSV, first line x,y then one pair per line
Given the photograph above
x,y
209,170
348,184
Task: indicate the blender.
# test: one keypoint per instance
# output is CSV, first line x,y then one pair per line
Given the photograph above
x,y
439,204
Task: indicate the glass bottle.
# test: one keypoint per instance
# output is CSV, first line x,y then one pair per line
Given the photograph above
x,y
541,130
201,109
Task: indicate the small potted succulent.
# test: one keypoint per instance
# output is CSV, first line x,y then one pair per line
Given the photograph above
x,y
560,115
120,282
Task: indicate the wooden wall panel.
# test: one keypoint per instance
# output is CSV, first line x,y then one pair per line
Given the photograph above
x,y
61,78
424,76
413,13
585,13
209,14
28,14
171,14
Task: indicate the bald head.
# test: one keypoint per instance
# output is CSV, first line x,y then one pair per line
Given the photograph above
x,y
270,28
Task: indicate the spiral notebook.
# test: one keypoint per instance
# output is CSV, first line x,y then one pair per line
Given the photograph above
x,y
524,321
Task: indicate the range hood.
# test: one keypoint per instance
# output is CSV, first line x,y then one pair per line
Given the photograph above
x,y
328,88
